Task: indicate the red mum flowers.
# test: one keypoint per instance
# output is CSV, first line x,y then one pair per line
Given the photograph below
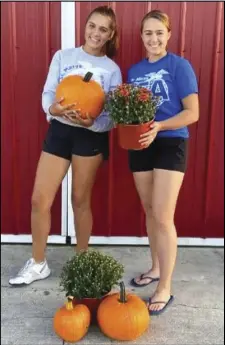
x,y
131,104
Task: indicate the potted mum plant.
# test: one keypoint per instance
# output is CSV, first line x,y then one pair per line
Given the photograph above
x,y
89,277
132,108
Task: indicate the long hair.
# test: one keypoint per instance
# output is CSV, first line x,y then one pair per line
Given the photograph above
x,y
111,46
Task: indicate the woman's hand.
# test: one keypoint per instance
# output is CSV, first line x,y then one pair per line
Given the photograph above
x,y
56,109
148,137
76,118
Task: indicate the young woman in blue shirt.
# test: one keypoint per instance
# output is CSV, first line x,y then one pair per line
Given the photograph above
x,y
159,168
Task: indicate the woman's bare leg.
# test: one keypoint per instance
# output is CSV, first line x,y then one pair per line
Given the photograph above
x,y
144,183
84,171
165,192
50,173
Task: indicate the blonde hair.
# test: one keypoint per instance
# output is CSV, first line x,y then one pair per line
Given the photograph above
x,y
157,14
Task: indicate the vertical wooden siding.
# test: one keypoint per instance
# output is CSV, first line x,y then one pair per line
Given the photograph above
x,y
30,34
197,34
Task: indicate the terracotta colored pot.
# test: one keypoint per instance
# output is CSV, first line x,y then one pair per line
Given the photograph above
x,y
92,304
129,135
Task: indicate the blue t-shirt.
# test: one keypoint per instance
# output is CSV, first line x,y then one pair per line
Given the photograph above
x,y
172,78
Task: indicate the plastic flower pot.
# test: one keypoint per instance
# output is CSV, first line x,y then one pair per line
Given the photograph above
x,y
129,135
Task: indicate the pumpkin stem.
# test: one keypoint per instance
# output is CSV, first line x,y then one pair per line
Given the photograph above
x,y
69,303
122,293
87,77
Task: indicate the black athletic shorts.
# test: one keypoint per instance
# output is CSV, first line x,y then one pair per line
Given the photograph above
x,y
163,153
63,140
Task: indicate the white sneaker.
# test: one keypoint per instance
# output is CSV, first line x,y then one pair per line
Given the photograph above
x,y
31,272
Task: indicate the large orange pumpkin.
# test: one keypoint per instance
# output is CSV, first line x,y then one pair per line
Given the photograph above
x,y
123,317
86,93
71,322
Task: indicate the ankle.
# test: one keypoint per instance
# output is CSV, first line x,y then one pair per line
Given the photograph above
x,y
155,269
79,250
163,289
39,261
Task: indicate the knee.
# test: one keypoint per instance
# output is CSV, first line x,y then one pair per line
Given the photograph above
x,y
80,201
40,202
162,220
147,208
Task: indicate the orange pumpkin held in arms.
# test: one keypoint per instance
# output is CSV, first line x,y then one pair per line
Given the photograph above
x,y
86,93
71,322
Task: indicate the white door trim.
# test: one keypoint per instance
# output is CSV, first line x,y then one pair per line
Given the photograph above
x,y
143,241
67,41
20,239
67,25
123,241
71,226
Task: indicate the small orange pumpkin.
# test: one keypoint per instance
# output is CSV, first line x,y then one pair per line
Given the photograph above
x,y
86,93
122,317
71,322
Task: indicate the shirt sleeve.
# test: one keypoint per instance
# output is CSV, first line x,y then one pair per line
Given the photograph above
x,y
185,79
104,122
116,79
48,94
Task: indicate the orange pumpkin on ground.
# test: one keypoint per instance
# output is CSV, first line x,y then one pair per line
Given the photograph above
x,y
71,322
122,317
86,93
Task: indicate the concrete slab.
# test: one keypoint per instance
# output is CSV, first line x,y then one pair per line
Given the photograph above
x,y
195,317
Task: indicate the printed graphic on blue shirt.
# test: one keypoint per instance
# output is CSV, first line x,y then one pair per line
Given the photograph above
x,y
154,81
171,79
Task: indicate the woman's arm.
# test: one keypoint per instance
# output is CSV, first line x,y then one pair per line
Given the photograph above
x,y
186,117
48,95
187,89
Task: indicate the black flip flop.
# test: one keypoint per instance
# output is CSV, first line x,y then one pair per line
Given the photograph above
x,y
158,312
133,283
